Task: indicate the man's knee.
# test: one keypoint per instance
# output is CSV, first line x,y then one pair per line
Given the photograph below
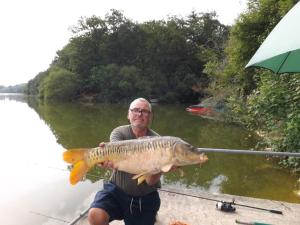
x,y
98,217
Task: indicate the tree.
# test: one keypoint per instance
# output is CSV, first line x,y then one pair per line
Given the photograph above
x,y
113,55
261,100
33,86
60,84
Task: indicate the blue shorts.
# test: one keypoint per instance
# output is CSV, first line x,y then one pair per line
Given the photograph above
x,y
133,210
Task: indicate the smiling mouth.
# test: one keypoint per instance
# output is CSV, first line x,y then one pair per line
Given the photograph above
x,y
138,120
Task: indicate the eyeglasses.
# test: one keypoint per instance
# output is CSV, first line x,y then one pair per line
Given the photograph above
x,y
137,111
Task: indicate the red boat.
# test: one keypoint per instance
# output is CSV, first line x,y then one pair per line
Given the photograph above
x,y
199,109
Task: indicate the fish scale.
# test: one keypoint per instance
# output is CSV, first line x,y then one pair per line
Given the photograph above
x,y
142,157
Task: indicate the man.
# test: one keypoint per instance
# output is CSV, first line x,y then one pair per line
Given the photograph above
x,y
122,198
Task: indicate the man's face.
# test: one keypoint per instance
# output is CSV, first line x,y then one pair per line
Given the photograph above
x,y
139,114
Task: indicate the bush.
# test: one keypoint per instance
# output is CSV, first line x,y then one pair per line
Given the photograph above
x,y
274,110
60,84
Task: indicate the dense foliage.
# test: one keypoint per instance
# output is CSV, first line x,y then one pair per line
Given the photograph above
x,y
274,110
263,101
114,59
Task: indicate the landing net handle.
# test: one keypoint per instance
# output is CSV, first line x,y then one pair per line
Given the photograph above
x,y
248,152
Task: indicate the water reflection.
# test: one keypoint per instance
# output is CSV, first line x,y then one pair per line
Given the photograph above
x,y
36,180
216,183
77,125
13,97
57,203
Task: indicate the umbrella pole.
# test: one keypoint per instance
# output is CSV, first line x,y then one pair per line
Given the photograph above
x,y
248,152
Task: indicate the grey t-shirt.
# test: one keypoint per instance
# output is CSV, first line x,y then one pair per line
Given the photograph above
x,y
122,179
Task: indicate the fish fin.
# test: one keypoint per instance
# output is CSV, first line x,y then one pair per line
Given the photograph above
x,y
138,175
79,168
166,168
74,155
141,179
78,172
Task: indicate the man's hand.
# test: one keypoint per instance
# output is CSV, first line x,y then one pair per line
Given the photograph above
x,y
106,164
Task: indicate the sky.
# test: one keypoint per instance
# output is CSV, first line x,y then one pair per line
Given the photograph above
x,y
32,31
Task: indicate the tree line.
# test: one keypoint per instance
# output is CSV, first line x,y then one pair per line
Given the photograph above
x,y
113,59
19,88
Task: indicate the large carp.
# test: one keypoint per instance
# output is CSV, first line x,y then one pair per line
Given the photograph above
x,y
142,157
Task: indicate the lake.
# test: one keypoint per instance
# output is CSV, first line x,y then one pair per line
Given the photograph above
x,y
35,188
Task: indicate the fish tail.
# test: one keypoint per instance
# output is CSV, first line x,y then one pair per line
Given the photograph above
x,y
80,167
74,155
78,172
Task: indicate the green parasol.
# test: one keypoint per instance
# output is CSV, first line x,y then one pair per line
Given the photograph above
x,y
280,52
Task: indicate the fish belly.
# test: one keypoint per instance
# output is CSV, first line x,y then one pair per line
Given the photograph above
x,y
149,162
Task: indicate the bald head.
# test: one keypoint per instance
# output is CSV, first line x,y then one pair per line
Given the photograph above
x,y
133,103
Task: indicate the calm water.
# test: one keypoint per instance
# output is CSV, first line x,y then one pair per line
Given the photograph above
x,y
34,179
